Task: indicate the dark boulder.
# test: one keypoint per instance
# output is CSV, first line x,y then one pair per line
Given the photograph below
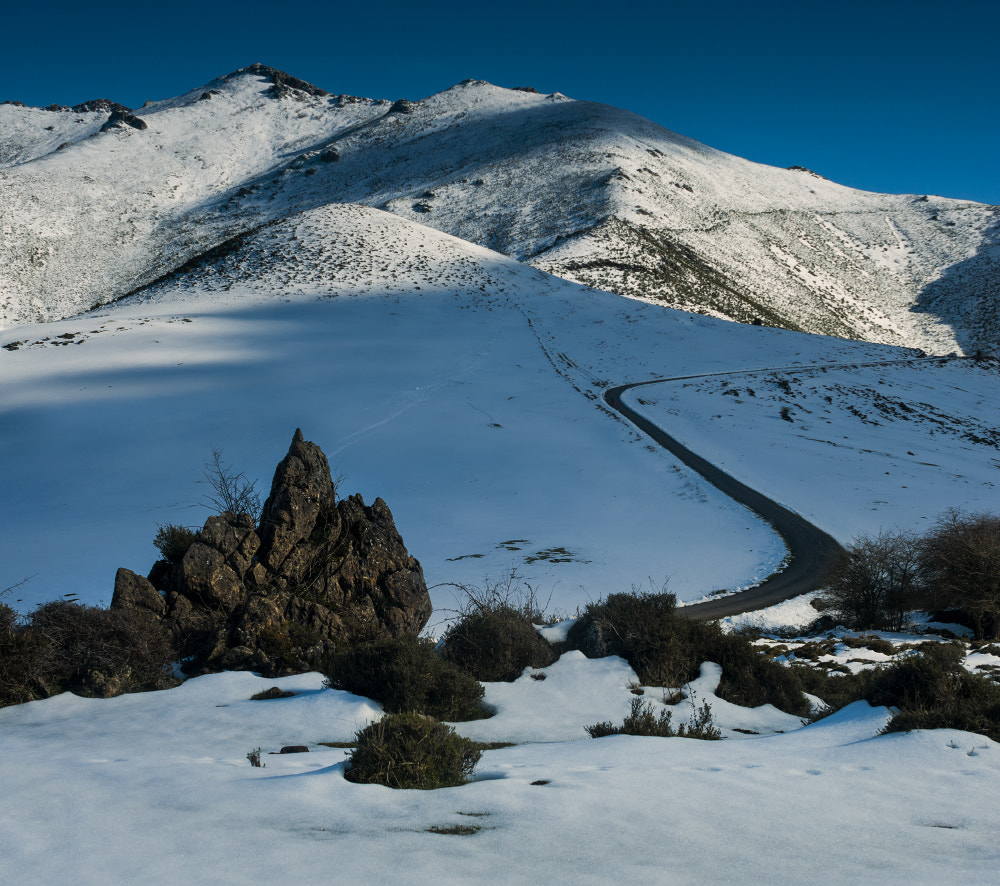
x,y
135,592
315,574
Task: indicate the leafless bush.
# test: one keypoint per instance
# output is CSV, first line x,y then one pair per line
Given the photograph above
x,y
878,582
960,559
231,490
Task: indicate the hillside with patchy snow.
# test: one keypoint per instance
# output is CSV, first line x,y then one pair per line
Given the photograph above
x,y
581,190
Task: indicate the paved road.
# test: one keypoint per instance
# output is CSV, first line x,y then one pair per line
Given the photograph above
x,y
812,552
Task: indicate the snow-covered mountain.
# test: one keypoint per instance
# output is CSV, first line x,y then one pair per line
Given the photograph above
x,y
91,212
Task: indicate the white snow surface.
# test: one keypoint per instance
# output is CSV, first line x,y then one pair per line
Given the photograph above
x,y
156,788
457,384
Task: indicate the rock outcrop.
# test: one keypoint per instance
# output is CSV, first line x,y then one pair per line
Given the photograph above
x,y
120,119
315,573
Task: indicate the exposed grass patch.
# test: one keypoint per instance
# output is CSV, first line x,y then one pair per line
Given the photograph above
x,y
870,641
643,720
455,830
273,692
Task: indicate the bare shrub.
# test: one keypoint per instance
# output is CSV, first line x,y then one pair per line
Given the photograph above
x,y
231,490
22,660
642,720
878,582
960,559
101,652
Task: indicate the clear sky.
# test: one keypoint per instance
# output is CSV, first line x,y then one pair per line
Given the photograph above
x,y
880,95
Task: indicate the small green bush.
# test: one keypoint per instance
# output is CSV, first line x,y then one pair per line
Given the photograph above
x,y
411,751
173,541
496,644
405,674
641,720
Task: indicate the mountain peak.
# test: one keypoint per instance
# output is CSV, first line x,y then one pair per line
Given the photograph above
x,y
282,82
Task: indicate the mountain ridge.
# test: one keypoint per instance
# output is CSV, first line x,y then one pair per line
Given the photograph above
x,y
586,191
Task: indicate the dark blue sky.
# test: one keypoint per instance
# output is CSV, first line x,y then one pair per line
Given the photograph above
x,y
885,96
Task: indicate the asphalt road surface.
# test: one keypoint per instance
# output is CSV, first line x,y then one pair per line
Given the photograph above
x,y
812,553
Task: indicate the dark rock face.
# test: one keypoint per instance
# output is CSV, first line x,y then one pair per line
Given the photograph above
x,y
316,573
101,104
283,84
135,592
123,118
402,106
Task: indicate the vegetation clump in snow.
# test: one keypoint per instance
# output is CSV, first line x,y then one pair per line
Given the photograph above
x,y
643,720
666,649
497,643
406,675
495,637
412,751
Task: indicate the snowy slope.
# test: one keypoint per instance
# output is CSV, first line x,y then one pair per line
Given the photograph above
x,y
910,439
461,386
582,190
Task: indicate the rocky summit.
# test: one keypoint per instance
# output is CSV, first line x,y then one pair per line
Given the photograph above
x,y
315,573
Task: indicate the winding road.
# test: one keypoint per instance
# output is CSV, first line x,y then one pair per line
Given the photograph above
x,y
812,553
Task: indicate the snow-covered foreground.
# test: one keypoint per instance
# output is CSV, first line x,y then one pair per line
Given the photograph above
x,y
156,788
457,384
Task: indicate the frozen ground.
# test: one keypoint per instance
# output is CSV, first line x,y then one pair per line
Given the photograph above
x,y
156,788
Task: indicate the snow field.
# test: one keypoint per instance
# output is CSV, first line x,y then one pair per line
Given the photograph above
x,y
156,788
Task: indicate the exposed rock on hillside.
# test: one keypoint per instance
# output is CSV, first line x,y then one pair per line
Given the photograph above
x,y
123,118
284,83
316,573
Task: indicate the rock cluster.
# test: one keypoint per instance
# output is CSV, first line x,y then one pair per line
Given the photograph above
x,y
119,119
284,84
314,574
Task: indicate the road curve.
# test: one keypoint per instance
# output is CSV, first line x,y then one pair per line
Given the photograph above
x,y
812,553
